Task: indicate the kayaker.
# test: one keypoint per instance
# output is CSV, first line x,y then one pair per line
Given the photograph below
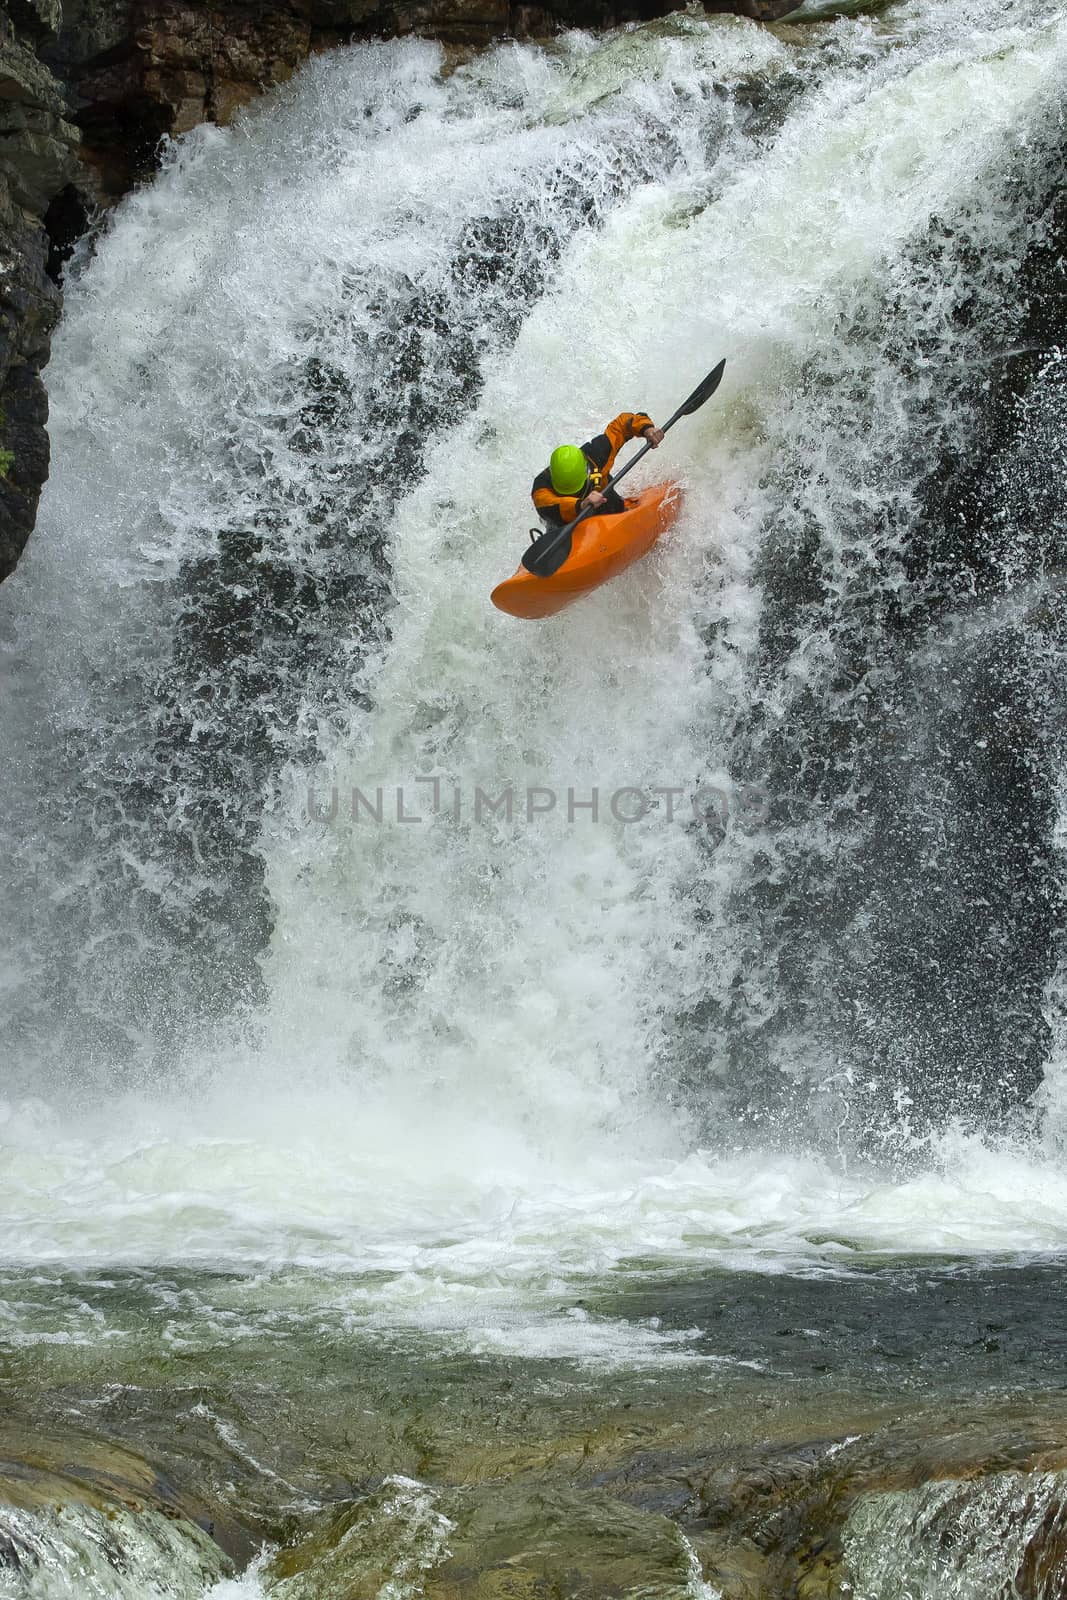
x,y
574,477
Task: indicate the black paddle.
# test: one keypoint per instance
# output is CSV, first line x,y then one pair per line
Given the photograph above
x,y
548,553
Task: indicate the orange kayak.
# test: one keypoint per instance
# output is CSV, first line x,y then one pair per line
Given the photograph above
x,y
603,547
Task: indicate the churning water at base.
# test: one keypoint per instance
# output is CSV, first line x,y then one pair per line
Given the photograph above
x,y
786,992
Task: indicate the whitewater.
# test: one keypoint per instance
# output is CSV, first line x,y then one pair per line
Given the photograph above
x,y
443,1072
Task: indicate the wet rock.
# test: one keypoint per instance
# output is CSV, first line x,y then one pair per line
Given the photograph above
x,y
814,1518
37,160
804,1519
493,1541
140,70
760,10
36,18
25,414
52,1471
365,1464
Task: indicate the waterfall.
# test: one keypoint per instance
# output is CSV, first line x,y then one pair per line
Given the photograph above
x,y
478,1095
254,686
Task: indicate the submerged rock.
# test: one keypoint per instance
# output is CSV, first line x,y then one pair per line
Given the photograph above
x,y
67,1498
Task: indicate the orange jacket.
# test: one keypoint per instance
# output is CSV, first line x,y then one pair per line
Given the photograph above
x,y
556,510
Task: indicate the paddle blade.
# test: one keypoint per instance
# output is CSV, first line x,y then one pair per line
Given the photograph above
x,y
548,553
704,392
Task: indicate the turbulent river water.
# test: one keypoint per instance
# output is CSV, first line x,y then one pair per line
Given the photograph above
x,y
444,1056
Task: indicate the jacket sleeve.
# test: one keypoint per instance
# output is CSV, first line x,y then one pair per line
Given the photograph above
x,y
555,510
626,426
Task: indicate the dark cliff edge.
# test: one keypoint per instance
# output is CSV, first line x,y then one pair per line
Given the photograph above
x,y
90,87
38,165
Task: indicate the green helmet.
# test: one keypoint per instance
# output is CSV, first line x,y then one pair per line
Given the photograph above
x,y
568,468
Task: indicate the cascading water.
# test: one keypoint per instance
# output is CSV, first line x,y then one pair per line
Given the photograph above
x,y
927,1541
329,290
321,957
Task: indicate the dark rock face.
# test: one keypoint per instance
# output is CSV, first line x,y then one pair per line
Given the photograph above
x,y
137,70
37,161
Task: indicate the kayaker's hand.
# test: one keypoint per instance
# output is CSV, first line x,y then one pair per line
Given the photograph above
x,y
654,437
594,498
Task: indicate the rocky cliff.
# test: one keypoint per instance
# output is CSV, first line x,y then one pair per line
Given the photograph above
x,y
38,164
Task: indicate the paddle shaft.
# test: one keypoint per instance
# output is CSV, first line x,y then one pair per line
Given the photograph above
x,y
550,551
